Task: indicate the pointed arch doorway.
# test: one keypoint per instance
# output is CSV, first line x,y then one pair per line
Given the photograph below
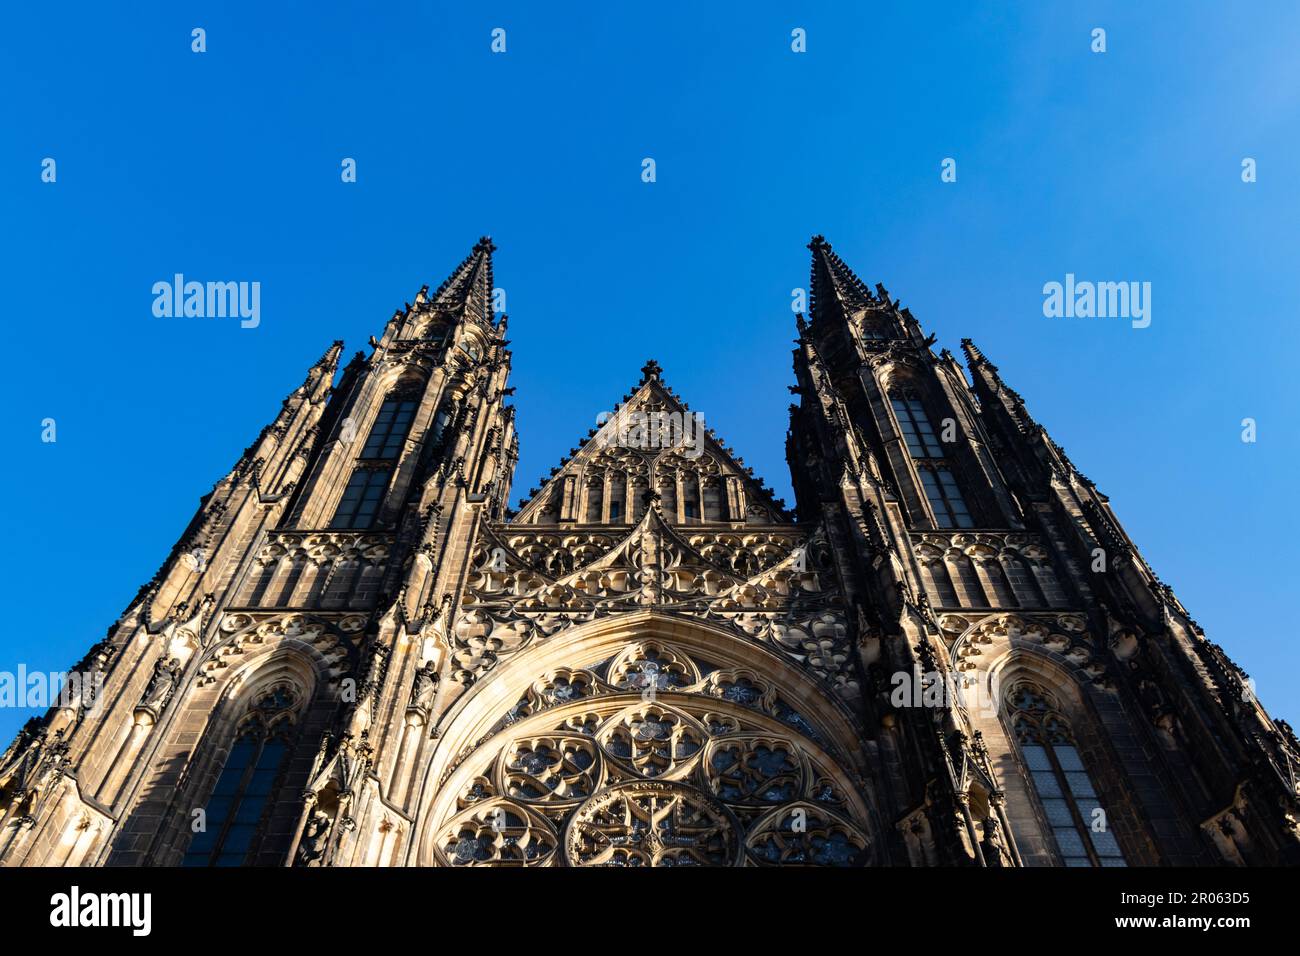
x,y
647,740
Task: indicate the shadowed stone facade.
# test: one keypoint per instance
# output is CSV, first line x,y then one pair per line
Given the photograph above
x,y
949,653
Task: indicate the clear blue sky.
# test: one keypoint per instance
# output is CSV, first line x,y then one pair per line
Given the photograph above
x,y
225,166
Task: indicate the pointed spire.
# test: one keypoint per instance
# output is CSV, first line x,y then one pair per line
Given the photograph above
x,y
988,382
840,302
470,284
835,288
325,367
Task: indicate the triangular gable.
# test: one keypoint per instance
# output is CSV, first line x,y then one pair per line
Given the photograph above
x,y
651,444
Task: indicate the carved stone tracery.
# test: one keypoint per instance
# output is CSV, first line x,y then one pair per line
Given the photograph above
x,y
766,585
653,758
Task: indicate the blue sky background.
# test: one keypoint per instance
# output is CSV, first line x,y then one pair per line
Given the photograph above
x,y
225,166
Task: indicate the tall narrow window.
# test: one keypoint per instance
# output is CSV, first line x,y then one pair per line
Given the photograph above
x,y
998,590
617,496
361,498
937,583
668,497
1022,582
945,498
390,428
1048,583
712,501
1061,781
917,432
969,591
440,423
937,479
244,788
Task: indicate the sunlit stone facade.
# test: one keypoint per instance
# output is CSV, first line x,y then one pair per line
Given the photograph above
x,y
947,652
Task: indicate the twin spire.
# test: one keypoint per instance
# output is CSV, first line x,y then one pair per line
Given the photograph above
x,y
833,286
835,293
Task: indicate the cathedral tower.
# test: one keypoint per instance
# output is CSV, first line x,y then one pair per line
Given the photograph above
x,y
1071,711
947,653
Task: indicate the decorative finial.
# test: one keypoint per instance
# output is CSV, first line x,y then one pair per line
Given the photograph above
x,y
650,370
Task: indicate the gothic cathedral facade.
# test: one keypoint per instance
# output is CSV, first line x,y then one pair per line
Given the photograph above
x,y
947,653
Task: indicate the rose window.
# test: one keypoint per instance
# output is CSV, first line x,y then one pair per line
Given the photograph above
x,y
718,769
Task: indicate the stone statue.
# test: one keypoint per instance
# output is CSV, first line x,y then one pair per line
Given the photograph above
x,y
315,838
425,686
166,675
993,844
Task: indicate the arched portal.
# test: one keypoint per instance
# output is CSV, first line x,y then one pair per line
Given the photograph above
x,y
648,741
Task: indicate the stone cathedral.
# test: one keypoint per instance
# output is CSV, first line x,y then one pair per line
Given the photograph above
x,y
947,653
